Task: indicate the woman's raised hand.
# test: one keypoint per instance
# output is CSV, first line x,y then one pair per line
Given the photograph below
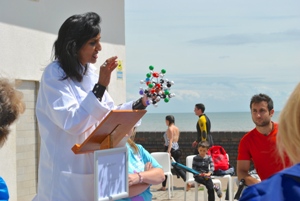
x,y
106,69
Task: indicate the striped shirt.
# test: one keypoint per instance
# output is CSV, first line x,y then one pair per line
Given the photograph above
x,y
175,145
203,165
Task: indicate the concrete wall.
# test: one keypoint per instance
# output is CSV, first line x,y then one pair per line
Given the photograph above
x,y
153,142
27,146
28,29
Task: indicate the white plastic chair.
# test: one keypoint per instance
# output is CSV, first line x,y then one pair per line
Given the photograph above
x,y
190,179
230,184
163,158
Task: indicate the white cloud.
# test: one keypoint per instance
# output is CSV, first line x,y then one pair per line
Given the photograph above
x,y
253,38
187,94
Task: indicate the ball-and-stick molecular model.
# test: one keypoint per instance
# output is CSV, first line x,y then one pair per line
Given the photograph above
x,y
157,87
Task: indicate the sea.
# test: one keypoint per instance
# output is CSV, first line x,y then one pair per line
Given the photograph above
x,y
220,121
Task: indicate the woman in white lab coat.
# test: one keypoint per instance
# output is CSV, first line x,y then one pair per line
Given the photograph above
x,y
72,99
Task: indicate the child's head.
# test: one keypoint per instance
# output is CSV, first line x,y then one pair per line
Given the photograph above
x,y
11,106
202,148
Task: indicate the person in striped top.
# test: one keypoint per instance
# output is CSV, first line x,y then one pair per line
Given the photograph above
x,y
203,163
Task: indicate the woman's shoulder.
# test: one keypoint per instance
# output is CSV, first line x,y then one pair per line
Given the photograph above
x,y
142,151
140,146
292,171
174,129
279,182
53,64
53,69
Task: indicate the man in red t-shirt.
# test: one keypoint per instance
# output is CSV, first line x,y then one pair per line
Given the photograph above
x,y
259,145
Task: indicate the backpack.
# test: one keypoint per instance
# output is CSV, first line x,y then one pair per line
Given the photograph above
x,y
220,172
219,157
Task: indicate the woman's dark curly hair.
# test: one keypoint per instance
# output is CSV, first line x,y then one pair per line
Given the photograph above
x,y
11,106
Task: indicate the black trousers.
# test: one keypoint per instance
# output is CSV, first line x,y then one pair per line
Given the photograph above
x,y
207,182
179,172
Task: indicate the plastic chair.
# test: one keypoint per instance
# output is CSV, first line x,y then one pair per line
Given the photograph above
x,y
163,158
190,179
230,184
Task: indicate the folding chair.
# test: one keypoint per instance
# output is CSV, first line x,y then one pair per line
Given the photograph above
x,y
190,179
163,158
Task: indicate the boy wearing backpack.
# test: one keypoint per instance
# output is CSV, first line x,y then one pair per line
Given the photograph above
x,y
203,163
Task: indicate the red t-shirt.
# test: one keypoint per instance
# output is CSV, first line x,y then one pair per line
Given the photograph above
x,y
261,149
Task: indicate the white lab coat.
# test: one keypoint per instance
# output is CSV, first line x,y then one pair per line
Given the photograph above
x,y
67,112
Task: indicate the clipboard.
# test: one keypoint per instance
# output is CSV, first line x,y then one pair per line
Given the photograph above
x,y
110,131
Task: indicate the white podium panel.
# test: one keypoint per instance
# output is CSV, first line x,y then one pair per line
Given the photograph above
x,y
111,174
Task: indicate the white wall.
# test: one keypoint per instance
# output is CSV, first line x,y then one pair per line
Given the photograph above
x,y
28,29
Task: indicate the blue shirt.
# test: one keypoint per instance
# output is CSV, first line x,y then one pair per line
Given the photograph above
x,y
4,196
136,163
284,185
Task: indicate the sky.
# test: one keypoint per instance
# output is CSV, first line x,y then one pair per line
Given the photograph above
x,y
219,53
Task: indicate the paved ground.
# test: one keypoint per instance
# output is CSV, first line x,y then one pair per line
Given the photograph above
x,y
178,194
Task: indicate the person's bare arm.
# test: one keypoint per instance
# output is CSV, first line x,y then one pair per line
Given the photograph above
x,y
194,144
149,176
153,176
137,189
243,167
170,137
